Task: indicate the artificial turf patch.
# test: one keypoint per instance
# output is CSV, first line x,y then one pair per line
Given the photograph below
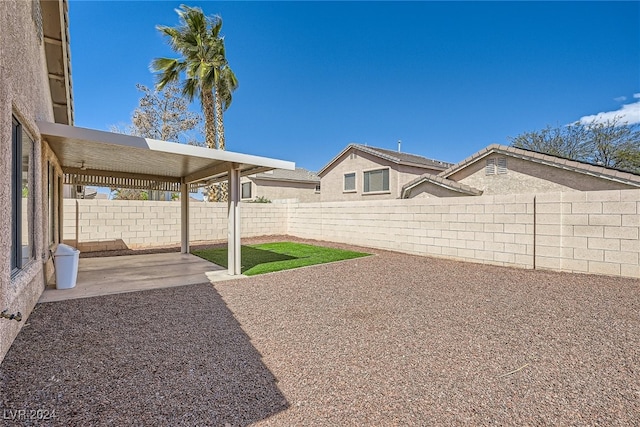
x,y
270,257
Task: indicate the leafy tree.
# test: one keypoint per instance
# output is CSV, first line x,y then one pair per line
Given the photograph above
x,y
205,67
164,114
161,114
613,144
129,194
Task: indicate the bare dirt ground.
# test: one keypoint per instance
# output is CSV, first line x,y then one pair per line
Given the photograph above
x,y
391,339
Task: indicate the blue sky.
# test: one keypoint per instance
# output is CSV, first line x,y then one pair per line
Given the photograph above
x,y
446,78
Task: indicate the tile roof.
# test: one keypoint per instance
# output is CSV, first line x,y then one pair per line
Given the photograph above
x,y
441,182
559,162
393,156
299,174
403,158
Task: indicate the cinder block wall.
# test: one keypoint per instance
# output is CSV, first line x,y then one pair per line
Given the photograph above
x,y
586,232
590,232
94,225
494,229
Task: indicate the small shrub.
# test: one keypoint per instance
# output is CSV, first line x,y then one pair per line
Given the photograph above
x,y
260,199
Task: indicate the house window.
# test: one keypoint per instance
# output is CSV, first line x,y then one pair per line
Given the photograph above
x,y
496,166
246,190
317,188
377,180
22,201
350,181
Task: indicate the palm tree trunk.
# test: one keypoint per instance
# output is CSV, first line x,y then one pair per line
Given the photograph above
x,y
219,122
221,189
209,118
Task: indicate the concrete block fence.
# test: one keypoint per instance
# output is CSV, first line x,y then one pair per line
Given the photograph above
x,y
586,232
97,225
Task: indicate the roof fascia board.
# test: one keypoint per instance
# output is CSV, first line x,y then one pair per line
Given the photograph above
x,y
301,181
98,136
335,159
419,181
66,59
419,165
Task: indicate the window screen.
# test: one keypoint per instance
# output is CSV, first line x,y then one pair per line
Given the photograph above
x,y
246,190
22,197
377,180
349,181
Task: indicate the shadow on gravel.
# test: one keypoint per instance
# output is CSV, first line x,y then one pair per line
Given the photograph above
x,y
171,356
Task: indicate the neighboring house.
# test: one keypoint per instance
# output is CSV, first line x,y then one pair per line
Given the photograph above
x,y
361,172
500,169
35,87
82,192
280,185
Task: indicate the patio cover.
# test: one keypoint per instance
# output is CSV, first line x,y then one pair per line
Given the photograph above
x,y
93,157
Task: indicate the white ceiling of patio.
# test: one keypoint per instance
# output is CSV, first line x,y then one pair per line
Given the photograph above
x,y
93,157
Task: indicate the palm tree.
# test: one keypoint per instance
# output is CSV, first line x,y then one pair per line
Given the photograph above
x,y
227,84
197,39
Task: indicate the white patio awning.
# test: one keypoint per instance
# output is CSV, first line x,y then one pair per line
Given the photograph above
x,y
88,152
108,159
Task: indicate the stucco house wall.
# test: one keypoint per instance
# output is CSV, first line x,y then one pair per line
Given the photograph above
x,y
283,190
25,94
332,180
526,176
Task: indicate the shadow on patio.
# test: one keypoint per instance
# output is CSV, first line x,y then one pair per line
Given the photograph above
x,y
173,355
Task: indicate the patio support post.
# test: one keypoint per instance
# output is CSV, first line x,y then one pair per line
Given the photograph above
x,y
60,224
184,217
233,234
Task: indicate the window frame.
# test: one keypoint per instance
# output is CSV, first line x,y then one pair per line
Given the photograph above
x,y
18,261
383,191
52,202
242,187
355,182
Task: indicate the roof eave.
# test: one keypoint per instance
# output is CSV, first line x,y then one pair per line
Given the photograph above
x,y
548,160
55,27
301,181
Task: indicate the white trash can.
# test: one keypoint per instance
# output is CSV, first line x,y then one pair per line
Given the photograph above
x,y
66,259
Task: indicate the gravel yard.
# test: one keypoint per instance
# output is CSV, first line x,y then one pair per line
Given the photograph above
x,y
391,339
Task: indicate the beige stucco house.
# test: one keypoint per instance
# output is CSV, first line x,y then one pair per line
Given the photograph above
x,y
361,172
35,87
281,185
500,169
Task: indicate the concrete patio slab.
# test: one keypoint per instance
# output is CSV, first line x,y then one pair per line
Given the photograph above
x,y
130,273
